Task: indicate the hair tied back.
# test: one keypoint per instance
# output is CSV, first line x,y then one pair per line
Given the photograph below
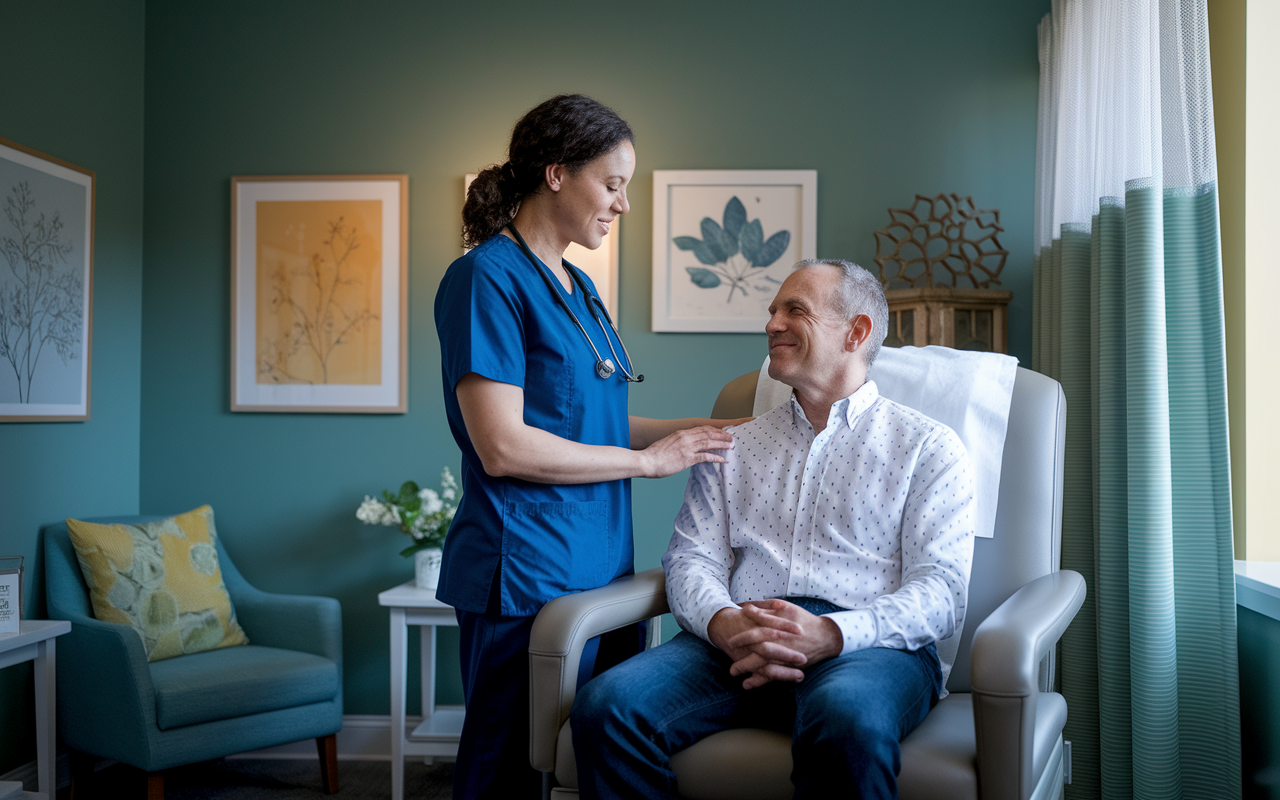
x,y
569,129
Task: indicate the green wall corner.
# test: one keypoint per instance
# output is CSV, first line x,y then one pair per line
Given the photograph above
x,y
73,89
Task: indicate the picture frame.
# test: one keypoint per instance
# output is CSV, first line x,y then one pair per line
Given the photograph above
x,y
319,293
703,279
46,286
601,264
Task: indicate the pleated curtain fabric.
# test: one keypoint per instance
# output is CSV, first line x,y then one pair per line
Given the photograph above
x,y
1128,317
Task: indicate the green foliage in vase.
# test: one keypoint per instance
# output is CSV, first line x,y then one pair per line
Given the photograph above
x,y
424,514
734,252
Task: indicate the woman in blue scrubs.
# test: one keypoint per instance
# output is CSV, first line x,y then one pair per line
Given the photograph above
x,y
535,386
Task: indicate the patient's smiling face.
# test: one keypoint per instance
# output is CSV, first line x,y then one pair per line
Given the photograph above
x,y
807,335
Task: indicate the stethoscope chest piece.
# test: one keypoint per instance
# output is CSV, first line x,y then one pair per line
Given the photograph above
x,y
604,366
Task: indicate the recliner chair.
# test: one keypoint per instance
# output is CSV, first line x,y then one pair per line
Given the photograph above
x,y
284,686
997,736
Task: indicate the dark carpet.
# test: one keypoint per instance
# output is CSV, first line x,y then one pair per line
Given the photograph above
x,y
274,779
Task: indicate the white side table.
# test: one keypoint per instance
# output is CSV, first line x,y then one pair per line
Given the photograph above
x,y
34,641
441,725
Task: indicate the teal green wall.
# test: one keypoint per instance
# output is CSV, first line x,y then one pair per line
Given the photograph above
x,y
1259,637
884,100
73,89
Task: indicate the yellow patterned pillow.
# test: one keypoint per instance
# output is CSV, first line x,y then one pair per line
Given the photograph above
x,y
162,578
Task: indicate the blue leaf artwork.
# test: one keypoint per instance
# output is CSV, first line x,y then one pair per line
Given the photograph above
x,y
733,252
704,278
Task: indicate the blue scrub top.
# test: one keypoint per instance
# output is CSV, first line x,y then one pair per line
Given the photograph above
x,y
496,317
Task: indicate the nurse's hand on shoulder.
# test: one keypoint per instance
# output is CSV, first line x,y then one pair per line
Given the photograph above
x,y
683,449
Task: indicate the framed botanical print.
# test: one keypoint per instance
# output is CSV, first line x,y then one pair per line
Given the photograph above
x,y
724,240
319,272
46,286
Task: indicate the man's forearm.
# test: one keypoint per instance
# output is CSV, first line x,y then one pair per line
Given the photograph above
x,y
698,560
695,598
920,612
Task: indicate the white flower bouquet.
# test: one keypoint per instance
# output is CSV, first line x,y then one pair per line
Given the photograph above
x,y
424,514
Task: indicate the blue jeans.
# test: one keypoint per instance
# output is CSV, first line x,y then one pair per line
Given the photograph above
x,y
846,718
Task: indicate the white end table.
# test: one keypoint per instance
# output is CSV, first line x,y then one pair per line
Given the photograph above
x,y
34,641
441,726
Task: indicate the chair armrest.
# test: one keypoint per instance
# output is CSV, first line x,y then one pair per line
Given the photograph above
x,y
1007,649
291,621
106,701
559,633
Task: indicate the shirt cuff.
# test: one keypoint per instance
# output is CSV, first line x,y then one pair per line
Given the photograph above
x,y
858,629
702,618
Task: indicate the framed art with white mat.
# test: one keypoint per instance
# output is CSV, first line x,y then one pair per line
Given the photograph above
x,y
723,241
319,275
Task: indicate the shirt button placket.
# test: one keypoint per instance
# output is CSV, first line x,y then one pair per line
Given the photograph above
x,y
802,543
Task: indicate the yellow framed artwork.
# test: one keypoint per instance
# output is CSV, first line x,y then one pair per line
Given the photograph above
x,y
319,272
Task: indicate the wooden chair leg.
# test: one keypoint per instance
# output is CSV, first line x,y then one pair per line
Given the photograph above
x,y
81,775
327,747
155,786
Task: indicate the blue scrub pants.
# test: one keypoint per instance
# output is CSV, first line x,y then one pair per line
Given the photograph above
x,y
493,752
846,718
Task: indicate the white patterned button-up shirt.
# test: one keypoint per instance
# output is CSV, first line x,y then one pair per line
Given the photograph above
x,y
874,514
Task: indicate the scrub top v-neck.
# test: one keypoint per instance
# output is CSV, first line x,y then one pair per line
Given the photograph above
x,y
496,317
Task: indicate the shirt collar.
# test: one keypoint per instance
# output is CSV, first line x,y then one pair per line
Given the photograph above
x,y
850,407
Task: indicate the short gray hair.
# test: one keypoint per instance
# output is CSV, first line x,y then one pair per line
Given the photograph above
x,y
860,293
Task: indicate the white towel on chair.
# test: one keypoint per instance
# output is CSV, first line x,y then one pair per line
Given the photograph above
x,y
966,391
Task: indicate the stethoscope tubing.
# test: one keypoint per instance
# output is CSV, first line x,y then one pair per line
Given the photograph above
x,y
604,366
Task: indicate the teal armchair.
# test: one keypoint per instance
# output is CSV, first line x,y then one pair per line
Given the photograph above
x,y
284,686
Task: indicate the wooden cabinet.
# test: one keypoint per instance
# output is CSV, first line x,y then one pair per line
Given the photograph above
x,y
966,319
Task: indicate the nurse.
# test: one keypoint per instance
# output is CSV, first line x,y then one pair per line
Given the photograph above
x,y
535,388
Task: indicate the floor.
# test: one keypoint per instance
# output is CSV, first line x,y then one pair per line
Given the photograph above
x,y
273,779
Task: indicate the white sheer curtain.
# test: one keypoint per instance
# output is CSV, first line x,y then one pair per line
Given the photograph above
x,y
1125,95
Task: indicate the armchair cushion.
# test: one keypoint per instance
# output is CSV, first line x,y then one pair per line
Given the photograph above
x,y
162,578
238,681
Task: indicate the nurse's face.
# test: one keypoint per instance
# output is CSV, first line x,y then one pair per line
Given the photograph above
x,y
588,201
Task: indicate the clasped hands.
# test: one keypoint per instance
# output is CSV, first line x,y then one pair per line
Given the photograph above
x,y
773,640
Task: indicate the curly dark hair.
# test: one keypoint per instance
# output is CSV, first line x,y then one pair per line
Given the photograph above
x,y
569,129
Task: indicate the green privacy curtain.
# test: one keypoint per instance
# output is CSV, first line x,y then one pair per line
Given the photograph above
x,y
1128,317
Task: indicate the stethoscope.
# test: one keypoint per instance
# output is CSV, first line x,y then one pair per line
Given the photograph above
x,y
604,366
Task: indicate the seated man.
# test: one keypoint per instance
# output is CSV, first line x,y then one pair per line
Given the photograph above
x,y
812,572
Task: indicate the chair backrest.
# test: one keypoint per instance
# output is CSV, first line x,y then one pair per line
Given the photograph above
x,y
1028,533
64,588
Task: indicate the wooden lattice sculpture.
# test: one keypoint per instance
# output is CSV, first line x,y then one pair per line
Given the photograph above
x,y
944,240
928,257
